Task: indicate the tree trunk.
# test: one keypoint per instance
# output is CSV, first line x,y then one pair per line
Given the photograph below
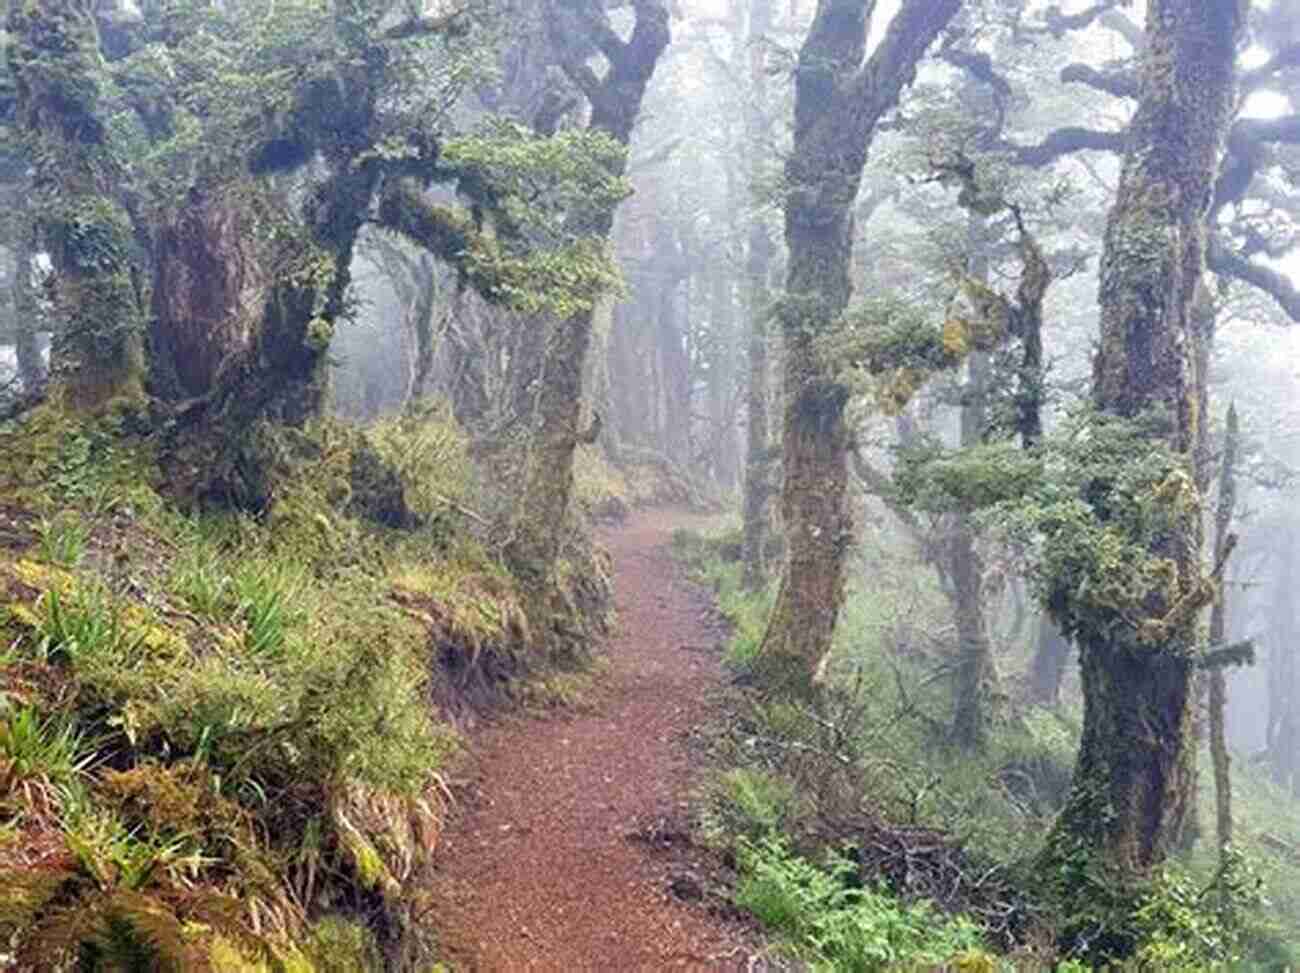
x,y
81,223
419,324
758,265
1048,669
838,101
719,451
1218,629
1135,773
543,508
209,284
975,676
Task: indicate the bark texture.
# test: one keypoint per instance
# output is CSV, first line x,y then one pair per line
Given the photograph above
x,y
976,675
839,99
32,371
81,224
615,99
1135,774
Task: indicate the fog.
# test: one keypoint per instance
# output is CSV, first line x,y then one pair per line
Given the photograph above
x,y
469,234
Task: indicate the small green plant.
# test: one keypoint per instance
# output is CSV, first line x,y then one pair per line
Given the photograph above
x,y
827,920
115,857
79,627
62,539
267,599
40,752
756,803
203,583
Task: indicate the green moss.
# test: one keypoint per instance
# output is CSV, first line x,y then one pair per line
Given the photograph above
x,y
320,332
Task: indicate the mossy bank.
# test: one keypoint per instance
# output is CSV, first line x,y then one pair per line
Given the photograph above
x,y
223,734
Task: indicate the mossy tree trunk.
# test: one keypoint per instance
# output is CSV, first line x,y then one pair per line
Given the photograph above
x,y
840,95
1136,768
1223,516
209,282
976,675
97,290
758,263
418,323
543,508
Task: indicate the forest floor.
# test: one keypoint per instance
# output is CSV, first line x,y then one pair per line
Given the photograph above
x,y
569,848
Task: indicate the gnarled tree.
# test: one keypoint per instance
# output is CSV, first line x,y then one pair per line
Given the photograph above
x,y
1135,772
615,101
840,97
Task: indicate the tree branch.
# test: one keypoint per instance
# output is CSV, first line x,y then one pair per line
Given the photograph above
x,y
1121,24
1277,285
980,67
892,65
1058,24
1120,83
1062,142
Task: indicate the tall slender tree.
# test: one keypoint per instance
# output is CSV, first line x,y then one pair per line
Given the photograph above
x,y
1223,517
840,97
758,269
615,99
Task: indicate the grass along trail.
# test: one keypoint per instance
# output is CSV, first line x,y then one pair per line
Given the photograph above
x,y
540,867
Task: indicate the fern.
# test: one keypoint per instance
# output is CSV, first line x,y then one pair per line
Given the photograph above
x,y
121,930
116,931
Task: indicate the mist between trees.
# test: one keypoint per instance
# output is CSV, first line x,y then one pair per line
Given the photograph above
x,y
976,314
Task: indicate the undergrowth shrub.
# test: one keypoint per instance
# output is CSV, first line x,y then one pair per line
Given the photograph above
x,y
217,743
430,452
62,539
38,754
874,763
827,920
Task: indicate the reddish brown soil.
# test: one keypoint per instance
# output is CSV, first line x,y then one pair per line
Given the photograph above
x,y
546,864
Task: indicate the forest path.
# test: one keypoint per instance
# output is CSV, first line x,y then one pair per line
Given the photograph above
x,y
540,868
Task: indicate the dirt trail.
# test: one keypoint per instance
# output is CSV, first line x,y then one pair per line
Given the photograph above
x,y
539,868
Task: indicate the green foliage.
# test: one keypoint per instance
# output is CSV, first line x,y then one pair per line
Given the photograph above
x,y
827,920
549,187
83,627
430,452
115,857
1176,920
749,803
62,539
228,721
267,599
200,579
1112,492
746,611
44,751
930,478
